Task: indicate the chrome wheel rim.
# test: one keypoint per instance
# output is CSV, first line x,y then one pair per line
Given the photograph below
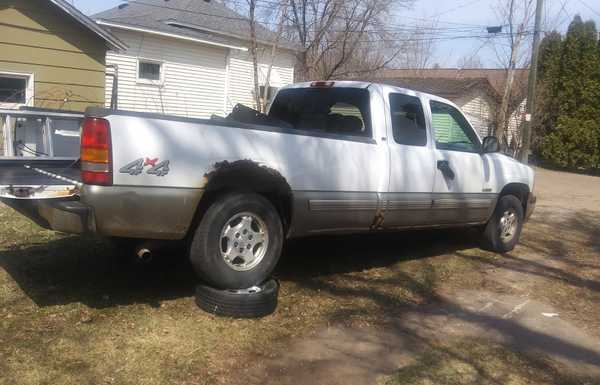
x,y
508,225
244,241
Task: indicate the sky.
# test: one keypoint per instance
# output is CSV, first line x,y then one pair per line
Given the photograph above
x,y
455,17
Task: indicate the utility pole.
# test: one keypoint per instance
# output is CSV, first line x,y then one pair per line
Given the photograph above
x,y
527,127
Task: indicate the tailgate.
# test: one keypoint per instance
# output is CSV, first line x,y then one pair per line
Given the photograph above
x,y
39,178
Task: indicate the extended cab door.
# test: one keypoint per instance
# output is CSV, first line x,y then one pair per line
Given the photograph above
x,y
460,193
409,200
335,157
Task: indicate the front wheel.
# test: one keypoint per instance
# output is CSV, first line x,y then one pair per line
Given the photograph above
x,y
503,230
238,241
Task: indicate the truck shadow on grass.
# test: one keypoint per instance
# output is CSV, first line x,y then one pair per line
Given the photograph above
x,y
322,256
94,272
89,270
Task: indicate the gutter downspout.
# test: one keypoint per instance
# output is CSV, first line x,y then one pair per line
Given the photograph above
x,y
114,97
226,93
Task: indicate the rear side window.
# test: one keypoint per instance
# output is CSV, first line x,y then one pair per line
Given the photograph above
x,y
343,111
408,120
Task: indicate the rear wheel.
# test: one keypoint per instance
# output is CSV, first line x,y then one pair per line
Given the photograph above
x,y
238,241
502,232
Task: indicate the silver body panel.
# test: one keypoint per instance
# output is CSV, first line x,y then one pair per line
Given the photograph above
x,y
142,212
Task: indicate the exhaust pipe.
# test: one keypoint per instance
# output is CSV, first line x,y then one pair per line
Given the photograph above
x,y
144,255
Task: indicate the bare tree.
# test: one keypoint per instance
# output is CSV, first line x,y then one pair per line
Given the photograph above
x,y
418,46
337,35
280,29
254,50
469,61
337,38
517,16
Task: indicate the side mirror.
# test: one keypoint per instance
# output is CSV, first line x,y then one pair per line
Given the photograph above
x,y
490,144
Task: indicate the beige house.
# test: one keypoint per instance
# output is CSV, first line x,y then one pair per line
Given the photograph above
x,y
51,56
478,92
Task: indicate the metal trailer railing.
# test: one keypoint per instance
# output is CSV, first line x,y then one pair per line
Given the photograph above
x,y
29,133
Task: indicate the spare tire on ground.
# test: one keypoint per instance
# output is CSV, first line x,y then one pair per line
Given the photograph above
x,y
254,302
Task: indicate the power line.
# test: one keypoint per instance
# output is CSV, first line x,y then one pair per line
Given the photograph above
x,y
590,8
456,8
241,18
526,33
432,34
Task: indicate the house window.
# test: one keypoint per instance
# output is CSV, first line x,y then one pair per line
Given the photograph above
x,y
15,90
150,71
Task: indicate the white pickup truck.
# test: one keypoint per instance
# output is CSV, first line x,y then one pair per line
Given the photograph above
x,y
329,157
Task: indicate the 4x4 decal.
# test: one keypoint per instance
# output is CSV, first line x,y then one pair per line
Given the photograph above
x,y
137,167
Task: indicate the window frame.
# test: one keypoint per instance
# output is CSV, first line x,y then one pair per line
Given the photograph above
x,y
469,127
423,111
141,80
29,89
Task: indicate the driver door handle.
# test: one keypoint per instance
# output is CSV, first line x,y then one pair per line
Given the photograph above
x,y
444,167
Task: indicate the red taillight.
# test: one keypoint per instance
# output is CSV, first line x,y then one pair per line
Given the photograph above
x,y
96,167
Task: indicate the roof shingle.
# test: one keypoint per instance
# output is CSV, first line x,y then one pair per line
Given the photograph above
x,y
201,19
445,78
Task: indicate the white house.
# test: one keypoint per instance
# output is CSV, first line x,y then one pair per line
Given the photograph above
x,y
188,58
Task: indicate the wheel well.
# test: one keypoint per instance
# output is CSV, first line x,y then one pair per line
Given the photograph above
x,y
520,190
247,176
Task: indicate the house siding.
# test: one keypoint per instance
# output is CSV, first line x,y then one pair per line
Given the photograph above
x,y
514,124
199,79
478,106
194,76
66,59
241,76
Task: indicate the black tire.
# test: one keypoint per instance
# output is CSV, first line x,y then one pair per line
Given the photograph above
x,y
205,248
239,303
492,237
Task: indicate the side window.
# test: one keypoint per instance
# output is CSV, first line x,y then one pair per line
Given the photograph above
x,y
452,131
408,120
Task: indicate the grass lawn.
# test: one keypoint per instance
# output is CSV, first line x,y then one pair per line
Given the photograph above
x,y
71,313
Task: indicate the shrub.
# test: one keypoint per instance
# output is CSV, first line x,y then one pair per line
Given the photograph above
x,y
574,144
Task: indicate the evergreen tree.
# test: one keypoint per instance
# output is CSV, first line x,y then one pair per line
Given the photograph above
x,y
549,73
570,113
579,61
